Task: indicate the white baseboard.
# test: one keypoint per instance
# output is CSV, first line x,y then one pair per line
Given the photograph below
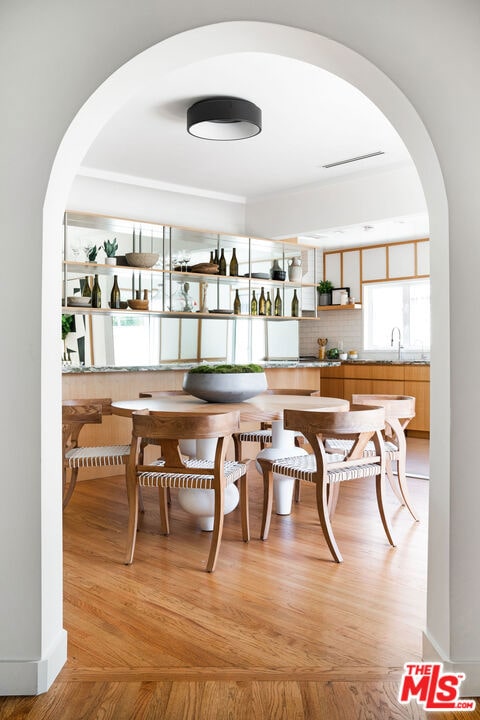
x,y
470,687
32,677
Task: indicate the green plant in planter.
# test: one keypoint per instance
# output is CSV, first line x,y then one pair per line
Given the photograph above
x,y
110,248
92,253
224,369
68,325
324,287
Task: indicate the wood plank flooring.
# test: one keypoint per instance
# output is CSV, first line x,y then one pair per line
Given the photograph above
x,y
278,631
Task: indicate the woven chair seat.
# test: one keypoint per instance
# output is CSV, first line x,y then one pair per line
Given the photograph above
x,y
304,466
332,444
81,457
233,471
259,435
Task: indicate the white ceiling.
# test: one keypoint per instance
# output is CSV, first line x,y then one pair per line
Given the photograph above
x,y
310,118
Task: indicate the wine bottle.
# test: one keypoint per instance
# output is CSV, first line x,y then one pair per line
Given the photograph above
x,y
261,303
96,294
211,258
295,304
86,289
268,305
215,257
253,304
222,263
115,294
278,304
233,264
237,305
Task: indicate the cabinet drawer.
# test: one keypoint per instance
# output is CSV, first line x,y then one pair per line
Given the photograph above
x,y
417,372
372,387
421,392
332,387
332,372
374,372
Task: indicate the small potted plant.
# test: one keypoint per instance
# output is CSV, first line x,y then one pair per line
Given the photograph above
x,y
225,383
110,249
92,253
324,289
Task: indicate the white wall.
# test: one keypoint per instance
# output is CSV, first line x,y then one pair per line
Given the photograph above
x,y
53,56
128,200
363,199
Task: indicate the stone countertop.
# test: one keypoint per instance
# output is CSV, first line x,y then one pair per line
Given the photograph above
x,y
70,369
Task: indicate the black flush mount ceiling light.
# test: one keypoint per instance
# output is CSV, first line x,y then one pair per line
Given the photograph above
x,y
224,118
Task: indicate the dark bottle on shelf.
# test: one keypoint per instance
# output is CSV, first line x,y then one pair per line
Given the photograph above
x,y
96,294
115,294
237,305
222,263
86,289
278,304
253,304
215,257
262,310
268,305
295,307
212,260
233,264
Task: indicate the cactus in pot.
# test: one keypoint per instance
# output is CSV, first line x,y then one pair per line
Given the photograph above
x,y
110,248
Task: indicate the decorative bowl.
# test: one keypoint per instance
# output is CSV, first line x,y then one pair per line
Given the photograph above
x,y
144,260
123,305
225,387
138,304
279,275
79,301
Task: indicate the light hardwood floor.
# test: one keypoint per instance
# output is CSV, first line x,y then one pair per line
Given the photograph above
x,y
278,631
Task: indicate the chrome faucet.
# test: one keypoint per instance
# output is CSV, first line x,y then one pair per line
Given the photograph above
x,y
400,346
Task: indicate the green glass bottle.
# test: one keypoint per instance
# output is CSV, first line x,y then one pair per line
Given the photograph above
x,y
253,304
233,264
222,263
237,305
86,289
115,294
295,305
96,294
261,303
268,305
278,304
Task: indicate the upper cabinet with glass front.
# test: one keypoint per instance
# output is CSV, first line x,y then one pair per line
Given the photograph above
x,y
190,272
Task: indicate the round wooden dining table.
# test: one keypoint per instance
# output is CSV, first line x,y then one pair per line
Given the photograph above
x,y
262,408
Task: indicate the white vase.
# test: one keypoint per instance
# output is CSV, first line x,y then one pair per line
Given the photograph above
x,y
110,261
295,270
201,503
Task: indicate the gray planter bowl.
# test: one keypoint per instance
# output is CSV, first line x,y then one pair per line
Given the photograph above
x,y
225,387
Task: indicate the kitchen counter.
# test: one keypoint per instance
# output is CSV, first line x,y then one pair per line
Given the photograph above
x,y
71,369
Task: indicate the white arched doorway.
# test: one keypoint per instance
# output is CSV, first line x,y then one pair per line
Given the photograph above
x,y
160,60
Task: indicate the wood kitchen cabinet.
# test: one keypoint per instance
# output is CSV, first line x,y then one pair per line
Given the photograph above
x,y
373,378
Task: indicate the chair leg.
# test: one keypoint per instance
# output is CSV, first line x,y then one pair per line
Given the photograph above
x,y
244,510
380,486
297,490
333,491
267,499
393,483
402,483
324,517
217,530
132,495
162,499
71,487
237,448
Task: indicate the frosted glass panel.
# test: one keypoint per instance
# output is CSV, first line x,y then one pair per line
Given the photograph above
x,y
282,340
333,269
374,263
423,258
401,260
215,339
188,339
351,273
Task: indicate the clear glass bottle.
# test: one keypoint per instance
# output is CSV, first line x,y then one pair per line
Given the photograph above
x,y
237,305
262,303
222,263
268,305
115,294
253,304
96,294
233,270
278,304
295,304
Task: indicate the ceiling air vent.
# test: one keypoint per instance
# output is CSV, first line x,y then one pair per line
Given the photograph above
x,y
353,159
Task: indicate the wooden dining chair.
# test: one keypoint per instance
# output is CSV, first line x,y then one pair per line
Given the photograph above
x,y
399,410
361,425
76,414
173,470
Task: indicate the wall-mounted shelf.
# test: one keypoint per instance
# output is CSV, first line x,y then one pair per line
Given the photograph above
x,y
356,306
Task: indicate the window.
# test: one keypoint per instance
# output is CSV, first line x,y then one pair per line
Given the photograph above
x,y
405,304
